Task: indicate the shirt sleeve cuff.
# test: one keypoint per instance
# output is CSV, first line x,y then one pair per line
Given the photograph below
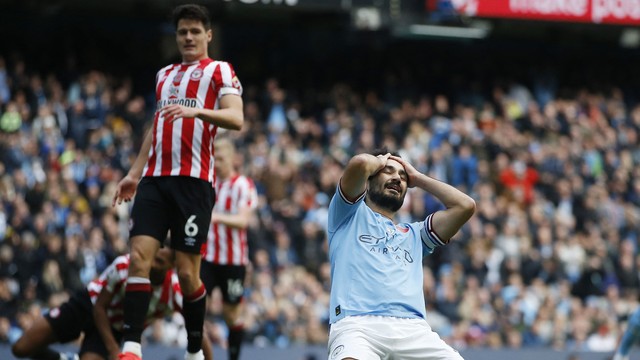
x,y
429,237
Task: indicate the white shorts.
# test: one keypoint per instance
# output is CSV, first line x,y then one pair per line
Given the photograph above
x,y
386,338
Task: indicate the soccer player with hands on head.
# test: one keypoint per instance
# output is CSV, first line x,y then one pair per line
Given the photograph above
x,y
377,307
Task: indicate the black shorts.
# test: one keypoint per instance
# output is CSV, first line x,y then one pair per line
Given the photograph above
x,y
179,204
229,278
75,317
72,318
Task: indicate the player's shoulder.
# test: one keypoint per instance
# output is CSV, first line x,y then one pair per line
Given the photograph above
x,y
122,259
168,67
222,65
220,62
245,180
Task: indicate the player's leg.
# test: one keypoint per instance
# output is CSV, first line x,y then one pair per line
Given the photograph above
x,y
349,339
60,325
414,339
195,297
149,225
190,219
232,318
211,280
34,343
93,347
630,336
232,295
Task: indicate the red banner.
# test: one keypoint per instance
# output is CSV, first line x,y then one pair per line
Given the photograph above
x,y
621,12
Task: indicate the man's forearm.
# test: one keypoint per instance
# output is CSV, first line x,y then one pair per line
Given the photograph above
x,y
229,118
239,221
143,156
104,328
447,194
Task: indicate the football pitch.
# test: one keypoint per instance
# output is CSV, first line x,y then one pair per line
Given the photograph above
x,y
155,352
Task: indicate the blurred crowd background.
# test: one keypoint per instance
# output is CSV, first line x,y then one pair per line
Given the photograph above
x,y
550,155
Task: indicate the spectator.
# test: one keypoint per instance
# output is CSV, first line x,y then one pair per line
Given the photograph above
x,y
582,143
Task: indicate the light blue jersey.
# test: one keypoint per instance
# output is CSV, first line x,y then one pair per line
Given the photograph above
x,y
376,266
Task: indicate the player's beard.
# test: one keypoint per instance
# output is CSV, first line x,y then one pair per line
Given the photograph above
x,y
391,202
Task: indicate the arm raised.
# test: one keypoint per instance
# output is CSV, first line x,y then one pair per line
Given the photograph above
x,y
459,206
354,178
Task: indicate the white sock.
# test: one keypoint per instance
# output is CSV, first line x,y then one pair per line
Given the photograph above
x,y
197,356
132,347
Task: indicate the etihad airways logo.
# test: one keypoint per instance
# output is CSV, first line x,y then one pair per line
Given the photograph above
x,y
377,245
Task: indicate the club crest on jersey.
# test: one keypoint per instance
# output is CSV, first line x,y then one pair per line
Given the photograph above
x,y
235,82
178,77
196,74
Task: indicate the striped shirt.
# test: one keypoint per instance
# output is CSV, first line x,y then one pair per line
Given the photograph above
x,y
165,299
226,245
184,146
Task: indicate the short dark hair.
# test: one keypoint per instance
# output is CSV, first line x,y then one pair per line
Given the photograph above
x,y
383,151
192,12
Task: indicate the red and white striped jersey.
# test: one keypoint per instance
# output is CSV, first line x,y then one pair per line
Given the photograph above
x,y
165,299
184,146
226,245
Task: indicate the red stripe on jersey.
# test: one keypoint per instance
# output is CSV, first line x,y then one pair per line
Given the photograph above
x,y
216,243
197,295
167,131
217,79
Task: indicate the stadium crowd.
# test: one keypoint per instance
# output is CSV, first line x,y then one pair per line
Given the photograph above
x,y
550,258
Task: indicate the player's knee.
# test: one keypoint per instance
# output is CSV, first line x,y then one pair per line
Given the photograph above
x,y
139,263
231,314
188,279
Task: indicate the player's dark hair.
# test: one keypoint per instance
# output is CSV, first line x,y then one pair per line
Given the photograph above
x,y
382,151
192,12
